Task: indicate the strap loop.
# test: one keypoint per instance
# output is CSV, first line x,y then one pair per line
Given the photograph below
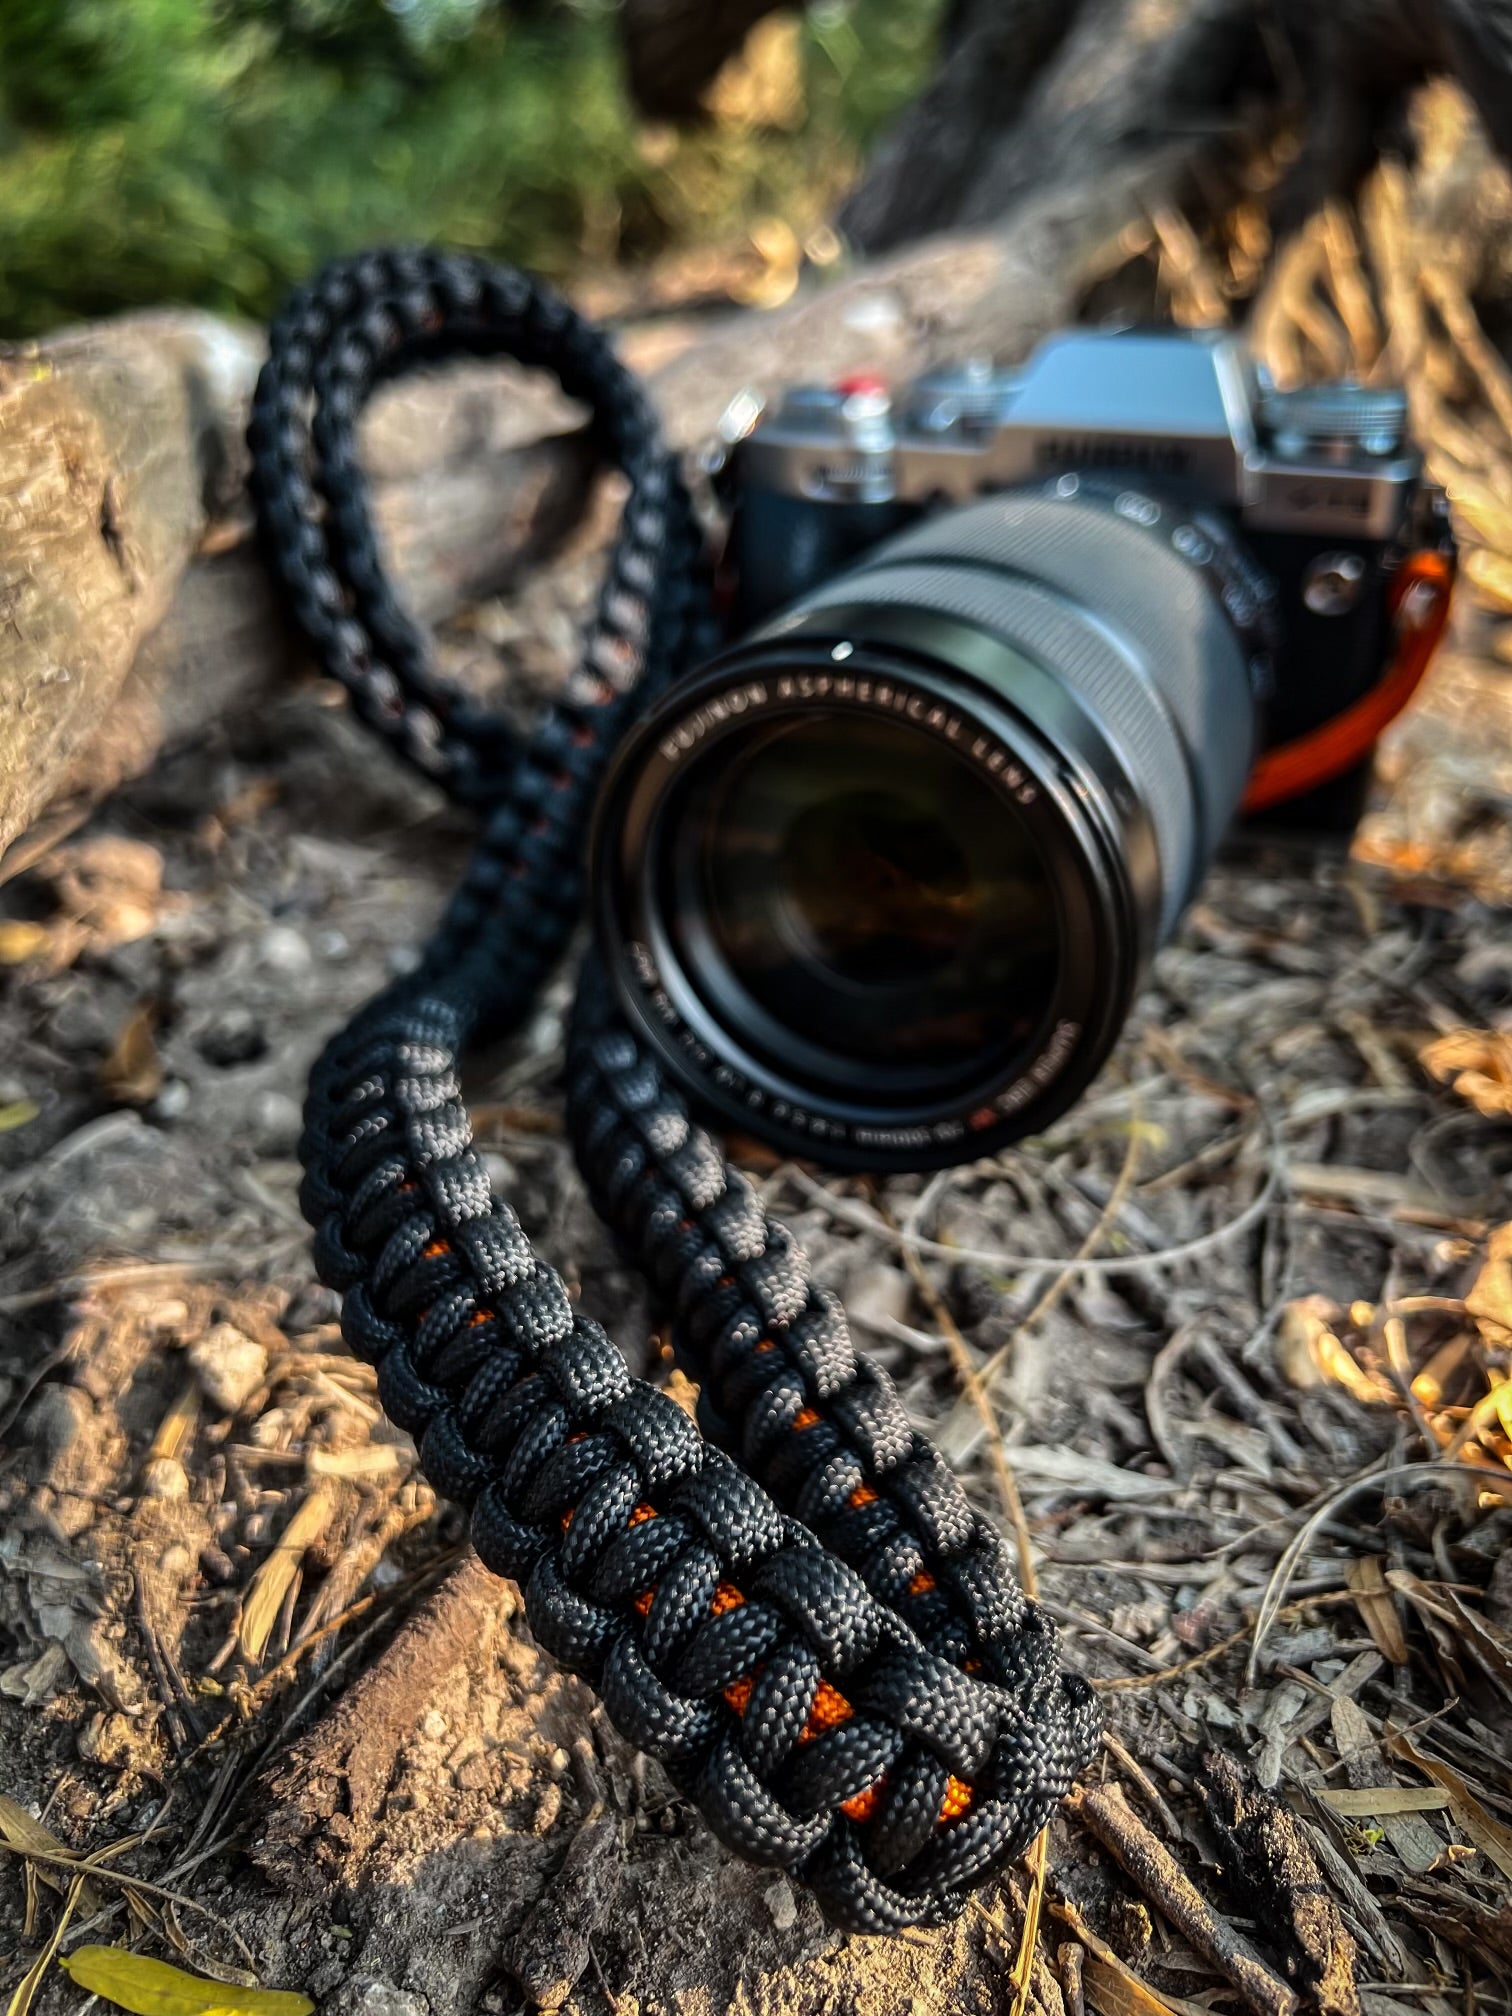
x,y
865,1700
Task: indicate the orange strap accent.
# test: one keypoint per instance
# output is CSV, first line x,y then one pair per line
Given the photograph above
x,y
862,1805
1420,608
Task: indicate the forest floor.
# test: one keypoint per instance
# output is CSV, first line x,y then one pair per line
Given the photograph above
x,y
1259,1430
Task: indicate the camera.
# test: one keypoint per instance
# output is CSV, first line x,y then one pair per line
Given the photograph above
x,y
1009,653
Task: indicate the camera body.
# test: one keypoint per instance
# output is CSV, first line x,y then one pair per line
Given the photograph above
x,y
1322,485
1007,653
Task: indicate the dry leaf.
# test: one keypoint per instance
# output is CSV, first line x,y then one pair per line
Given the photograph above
x,y
20,940
1489,1835
18,1830
1311,1353
1367,1578
1490,1300
133,1072
153,1988
1479,1061
31,1981
1456,1627
1111,1987
1431,1385
1374,1802
1115,1991
781,258
763,85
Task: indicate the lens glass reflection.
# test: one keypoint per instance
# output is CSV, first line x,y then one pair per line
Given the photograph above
x,y
870,891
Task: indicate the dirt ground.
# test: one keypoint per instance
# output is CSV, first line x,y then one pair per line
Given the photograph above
x,y
1259,1430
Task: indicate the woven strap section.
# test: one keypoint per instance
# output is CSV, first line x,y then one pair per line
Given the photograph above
x,y
820,1641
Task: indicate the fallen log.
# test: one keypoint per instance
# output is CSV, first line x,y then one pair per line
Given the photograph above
x,y
129,580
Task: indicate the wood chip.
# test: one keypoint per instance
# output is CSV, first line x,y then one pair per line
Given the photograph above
x,y
1271,1868
271,1583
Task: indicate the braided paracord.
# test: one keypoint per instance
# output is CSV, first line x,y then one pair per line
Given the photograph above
x,y
826,1648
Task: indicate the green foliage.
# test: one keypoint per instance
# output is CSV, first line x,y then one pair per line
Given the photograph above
x,y
213,151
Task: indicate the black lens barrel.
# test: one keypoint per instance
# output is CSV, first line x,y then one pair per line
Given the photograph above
x,y
1083,661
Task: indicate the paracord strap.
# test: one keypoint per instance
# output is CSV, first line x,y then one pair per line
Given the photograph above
x,y
825,1648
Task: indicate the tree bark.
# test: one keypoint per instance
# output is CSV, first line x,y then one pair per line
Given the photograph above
x,y
115,453
129,580
1029,89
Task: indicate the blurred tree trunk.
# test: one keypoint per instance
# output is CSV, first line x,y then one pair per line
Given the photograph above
x,y
1027,92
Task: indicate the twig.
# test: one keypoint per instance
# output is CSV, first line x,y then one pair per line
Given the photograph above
x,y
851,1213
1286,1567
1157,1872
1038,1859
1127,1683
1464,330
1145,1782
97,1865
976,1393
1068,1958
1107,1217
1351,291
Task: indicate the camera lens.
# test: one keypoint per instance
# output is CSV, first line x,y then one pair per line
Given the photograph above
x,y
860,880
880,881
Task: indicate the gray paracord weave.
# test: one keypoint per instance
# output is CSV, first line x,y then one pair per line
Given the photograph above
x,y
796,1612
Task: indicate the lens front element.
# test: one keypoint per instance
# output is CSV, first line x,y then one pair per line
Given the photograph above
x,y
858,879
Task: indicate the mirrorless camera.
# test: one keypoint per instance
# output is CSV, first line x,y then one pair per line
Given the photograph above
x,y
1011,650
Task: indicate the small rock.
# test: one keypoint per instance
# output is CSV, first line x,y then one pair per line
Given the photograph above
x,y
547,1809
276,1121
229,1365
385,1998
233,1036
172,1102
312,1304
284,950
165,1477
434,1724
782,1904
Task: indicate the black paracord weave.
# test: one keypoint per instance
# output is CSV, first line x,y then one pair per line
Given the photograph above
x,y
820,1641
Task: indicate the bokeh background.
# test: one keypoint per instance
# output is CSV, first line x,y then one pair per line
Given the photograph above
x,y
212,151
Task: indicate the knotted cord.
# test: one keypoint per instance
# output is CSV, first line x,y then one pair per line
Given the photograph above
x,y
796,1612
